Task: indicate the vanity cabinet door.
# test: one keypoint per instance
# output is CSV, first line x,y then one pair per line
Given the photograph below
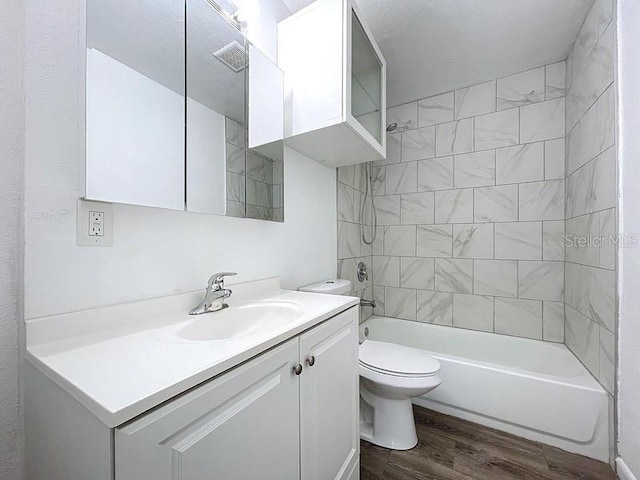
x,y
243,425
329,443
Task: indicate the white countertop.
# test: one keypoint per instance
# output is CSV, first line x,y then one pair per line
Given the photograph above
x,y
123,360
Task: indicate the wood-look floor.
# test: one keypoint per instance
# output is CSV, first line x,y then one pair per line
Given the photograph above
x,y
453,449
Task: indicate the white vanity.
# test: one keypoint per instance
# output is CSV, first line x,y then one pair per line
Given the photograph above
x,y
265,389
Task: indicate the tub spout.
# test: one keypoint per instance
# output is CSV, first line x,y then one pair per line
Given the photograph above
x,y
367,303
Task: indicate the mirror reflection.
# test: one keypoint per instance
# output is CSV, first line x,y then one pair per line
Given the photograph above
x,y
265,157
154,66
216,79
135,91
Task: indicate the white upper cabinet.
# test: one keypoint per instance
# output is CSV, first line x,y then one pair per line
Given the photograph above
x,y
335,84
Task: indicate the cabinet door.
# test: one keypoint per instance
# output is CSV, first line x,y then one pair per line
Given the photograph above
x,y
365,82
329,442
241,425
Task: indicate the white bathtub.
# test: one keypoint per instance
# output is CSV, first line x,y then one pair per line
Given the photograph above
x,y
534,389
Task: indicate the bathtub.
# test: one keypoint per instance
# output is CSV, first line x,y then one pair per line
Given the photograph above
x,y
533,389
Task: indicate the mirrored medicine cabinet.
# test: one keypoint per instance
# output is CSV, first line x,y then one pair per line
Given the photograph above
x,y
182,112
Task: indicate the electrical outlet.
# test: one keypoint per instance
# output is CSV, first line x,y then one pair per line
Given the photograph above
x,y
95,224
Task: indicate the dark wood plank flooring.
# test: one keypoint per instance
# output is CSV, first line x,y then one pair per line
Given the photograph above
x,y
453,449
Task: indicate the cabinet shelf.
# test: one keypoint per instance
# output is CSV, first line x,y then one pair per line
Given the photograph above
x,y
335,74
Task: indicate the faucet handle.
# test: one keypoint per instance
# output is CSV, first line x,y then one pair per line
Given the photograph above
x,y
218,278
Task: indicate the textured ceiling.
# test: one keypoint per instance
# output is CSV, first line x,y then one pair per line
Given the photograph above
x,y
433,46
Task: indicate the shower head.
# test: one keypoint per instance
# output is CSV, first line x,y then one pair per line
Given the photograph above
x,y
391,127
233,56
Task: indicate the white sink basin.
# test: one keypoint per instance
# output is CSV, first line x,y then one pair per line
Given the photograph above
x,y
244,321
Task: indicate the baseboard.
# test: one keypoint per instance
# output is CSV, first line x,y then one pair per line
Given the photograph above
x,y
624,473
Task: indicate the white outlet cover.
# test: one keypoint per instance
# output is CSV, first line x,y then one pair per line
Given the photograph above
x,y
84,239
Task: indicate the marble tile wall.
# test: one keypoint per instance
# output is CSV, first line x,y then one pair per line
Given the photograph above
x,y
236,167
590,196
351,248
255,183
471,208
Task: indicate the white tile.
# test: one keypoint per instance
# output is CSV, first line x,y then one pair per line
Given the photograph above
x,y
406,116
606,119
417,208
400,303
592,292
495,130
418,144
379,175
554,159
402,178
454,137
347,175
435,174
417,273
519,241
473,240
400,241
454,206
542,200
475,169
394,149
607,233
556,80
521,89
521,318
607,361
435,307
496,204
495,277
476,100
438,109
553,241
453,275
542,121
386,271
435,241
580,231
553,321
541,280
357,204
344,202
582,336
235,158
520,163
593,186
348,240
473,312
387,209
378,242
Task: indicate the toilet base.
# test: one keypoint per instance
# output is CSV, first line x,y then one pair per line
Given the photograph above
x,y
392,424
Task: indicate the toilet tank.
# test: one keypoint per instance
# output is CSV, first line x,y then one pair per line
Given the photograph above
x,y
334,286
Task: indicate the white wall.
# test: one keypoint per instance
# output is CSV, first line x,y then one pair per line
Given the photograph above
x,y
155,252
11,170
629,258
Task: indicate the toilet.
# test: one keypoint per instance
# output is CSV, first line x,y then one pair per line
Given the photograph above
x,y
390,376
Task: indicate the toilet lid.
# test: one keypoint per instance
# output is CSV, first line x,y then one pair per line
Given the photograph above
x,y
397,359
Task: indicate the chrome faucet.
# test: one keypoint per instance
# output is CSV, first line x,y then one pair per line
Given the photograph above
x,y
215,295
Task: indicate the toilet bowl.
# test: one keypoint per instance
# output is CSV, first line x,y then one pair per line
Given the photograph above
x,y
390,376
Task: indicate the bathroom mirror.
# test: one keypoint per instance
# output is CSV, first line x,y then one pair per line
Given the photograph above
x,y
265,155
135,96
154,67
216,103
